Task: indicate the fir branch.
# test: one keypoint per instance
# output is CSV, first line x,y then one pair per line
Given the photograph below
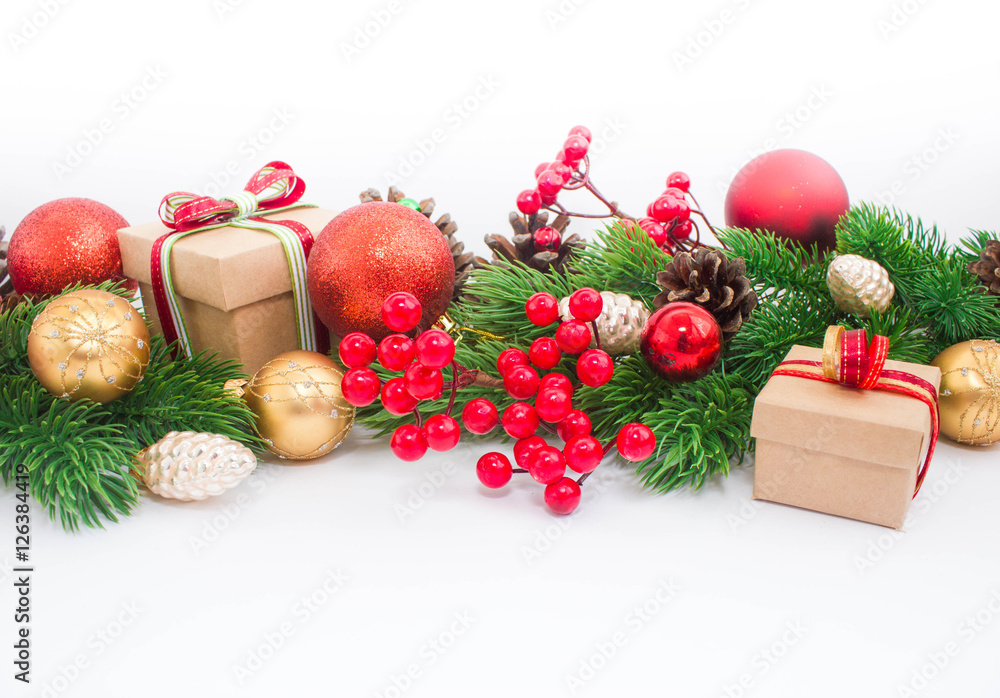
x,y
622,259
776,266
949,297
971,247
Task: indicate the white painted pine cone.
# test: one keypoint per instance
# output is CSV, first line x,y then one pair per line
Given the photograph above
x,y
189,466
858,285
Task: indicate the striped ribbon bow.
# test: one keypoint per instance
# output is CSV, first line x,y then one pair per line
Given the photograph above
x,y
272,189
849,359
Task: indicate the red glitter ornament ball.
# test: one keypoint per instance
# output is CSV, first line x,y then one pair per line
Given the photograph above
x,y
682,342
794,194
64,242
371,251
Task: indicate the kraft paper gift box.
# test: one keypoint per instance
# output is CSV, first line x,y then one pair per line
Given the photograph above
x,y
841,450
233,285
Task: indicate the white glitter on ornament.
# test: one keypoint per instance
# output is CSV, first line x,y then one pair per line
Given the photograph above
x,y
946,392
73,308
80,373
53,334
140,344
111,303
965,371
293,364
111,379
977,422
267,397
127,316
307,384
63,366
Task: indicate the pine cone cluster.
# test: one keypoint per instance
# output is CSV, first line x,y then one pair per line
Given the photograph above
x,y
987,268
464,261
6,286
522,248
710,279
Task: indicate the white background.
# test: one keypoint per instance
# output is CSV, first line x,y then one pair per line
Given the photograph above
x,y
899,96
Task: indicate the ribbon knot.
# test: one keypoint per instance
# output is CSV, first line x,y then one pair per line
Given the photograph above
x,y
246,203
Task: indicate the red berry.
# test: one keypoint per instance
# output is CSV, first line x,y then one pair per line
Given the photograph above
x,y
396,352
528,202
563,496
553,404
594,368
583,453
401,311
574,424
541,168
674,192
548,199
586,304
356,350
480,416
656,232
423,382
546,239
542,309
360,386
494,470
549,183
683,211
520,420
682,230
442,432
561,156
524,448
563,170
435,348
556,380
679,180
396,398
408,443
576,147
581,131
511,358
544,353
649,211
521,382
573,336
636,442
547,464
665,209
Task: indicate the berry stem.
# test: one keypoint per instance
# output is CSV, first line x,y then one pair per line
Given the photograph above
x,y
518,470
597,335
583,479
454,388
417,419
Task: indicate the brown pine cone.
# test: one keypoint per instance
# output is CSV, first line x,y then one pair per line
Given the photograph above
x,y
711,280
6,286
521,246
464,261
988,267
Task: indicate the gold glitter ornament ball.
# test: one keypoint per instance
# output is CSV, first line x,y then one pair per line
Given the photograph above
x,y
371,251
970,392
301,412
88,344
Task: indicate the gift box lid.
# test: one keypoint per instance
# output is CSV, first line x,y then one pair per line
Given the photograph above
x,y
226,267
876,426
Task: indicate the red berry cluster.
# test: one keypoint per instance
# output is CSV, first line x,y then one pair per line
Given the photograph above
x,y
421,361
668,219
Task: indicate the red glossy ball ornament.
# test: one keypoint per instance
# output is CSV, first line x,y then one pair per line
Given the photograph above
x,y
546,239
371,251
360,386
520,420
480,416
636,442
63,242
408,443
441,432
494,470
563,496
682,342
435,348
794,194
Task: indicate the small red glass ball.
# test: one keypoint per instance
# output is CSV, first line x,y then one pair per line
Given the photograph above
x,y
575,147
679,180
556,380
435,348
423,382
581,131
494,470
583,453
360,386
544,353
396,399
666,208
442,432
573,336
563,170
681,341
408,443
356,350
682,230
586,304
549,184
480,416
524,448
396,352
594,367
546,239
575,423
511,358
674,192
636,442
553,404
521,382
547,464
542,309
520,420
563,496
401,311
529,202
656,232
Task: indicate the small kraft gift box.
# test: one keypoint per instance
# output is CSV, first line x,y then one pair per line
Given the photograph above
x,y
229,275
844,431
